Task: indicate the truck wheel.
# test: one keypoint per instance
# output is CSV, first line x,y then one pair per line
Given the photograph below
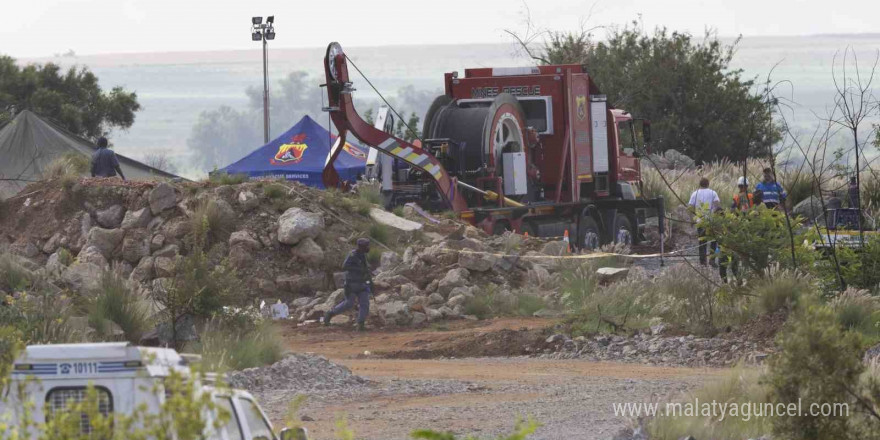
x,y
623,231
589,238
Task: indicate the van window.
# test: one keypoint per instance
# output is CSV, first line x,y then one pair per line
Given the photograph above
x,y
255,420
233,425
61,399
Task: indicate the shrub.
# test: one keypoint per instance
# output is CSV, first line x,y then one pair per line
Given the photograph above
x,y
227,179
370,192
689,300
739,386
398,211
527,305
820,363
857,310
579,282
380,232
374,257
41,314
511,242
751,238
69,165
235,345
212,221
275,191
13,276
65,257
782,292
115,303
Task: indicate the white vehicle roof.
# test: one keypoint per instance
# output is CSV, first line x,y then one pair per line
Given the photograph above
x,y
89,360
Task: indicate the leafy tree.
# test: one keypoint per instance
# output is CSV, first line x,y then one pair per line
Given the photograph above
x,y
72,99
698,105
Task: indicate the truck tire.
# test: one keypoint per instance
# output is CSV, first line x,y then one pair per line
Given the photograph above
x,y
589,234
623,230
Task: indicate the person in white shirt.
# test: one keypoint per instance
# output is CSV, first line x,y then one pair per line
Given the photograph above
x,y
703,202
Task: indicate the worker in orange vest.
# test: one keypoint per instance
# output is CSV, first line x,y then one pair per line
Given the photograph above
x,y
743,200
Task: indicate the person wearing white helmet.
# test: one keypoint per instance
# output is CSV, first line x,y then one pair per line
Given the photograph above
x,y
743,200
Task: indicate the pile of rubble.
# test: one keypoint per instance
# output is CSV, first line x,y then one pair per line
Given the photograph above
x,y
288,247
302,373
656,349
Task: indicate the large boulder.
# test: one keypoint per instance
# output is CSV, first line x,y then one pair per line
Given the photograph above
x,y
307,250
389,260
111,217
296,224
137,219
136,245
240,256
164,267
457,277
83,277
300,284
395,313
170,251
248,200
810,208
479,262
456,300
106,240
162,197
244,238
612,274
52,243
409,290
144,271
92,255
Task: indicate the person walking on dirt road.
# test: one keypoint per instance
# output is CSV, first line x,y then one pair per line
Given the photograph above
x,y
704,201
358,284
104,161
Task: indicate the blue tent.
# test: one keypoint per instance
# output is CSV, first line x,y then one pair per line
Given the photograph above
x,y
299,154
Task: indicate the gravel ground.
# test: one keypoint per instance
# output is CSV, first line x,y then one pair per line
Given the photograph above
x,y
482,397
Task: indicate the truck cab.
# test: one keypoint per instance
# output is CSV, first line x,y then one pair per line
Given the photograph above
x,y
124,377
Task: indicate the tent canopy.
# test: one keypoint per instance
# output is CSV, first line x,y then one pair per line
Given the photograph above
x,y
29,143
299,154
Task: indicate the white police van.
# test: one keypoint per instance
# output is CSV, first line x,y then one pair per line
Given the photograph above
x,y
125,376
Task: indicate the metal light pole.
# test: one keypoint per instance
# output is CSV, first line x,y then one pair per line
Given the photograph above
x,y
264,32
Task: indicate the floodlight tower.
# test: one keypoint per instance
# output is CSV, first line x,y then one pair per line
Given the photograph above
x,y
264,32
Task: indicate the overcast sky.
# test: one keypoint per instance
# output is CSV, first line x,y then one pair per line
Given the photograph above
x,y
33,28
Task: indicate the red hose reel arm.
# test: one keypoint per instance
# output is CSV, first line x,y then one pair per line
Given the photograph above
x,y
346,118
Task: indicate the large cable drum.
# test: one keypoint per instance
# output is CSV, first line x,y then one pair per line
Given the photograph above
x,y
484,129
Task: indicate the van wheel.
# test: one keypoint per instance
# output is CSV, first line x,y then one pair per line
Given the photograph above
x,y
623,231
589,238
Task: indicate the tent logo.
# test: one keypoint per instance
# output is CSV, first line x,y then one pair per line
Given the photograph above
x,y
290,153
354,151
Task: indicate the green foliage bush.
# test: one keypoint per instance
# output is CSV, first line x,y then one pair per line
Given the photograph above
x,y
115,303
379,232
857,310
13,276
782,291
820,362
492,301
65,257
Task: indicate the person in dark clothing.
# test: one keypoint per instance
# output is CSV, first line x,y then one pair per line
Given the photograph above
x,y
853,193
358,284
104,161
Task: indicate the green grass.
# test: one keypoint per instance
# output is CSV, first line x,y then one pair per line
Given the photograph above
x,y
380,232
370,192
374,256
398,211
235,347
275,191
13,276
227,179
858,310
491,301
781,292
115,304
65,257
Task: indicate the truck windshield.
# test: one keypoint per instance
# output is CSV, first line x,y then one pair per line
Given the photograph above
x,y
255,420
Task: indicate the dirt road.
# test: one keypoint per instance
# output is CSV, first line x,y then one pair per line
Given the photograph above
x,y
477,396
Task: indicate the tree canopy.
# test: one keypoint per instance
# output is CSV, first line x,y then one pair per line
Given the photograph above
x,y
697,104
70,98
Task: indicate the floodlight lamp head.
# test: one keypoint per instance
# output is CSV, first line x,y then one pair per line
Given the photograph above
x,y
270,34
256,20
257,36
270,19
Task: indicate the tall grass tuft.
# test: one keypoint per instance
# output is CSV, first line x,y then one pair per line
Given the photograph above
x,y
740,386
116,304
227,179
235,347
275,191
783,291
380,232
212,221
70,164
370,192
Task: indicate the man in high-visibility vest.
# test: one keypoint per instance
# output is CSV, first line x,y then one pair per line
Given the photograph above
x,y
743,200
773,192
